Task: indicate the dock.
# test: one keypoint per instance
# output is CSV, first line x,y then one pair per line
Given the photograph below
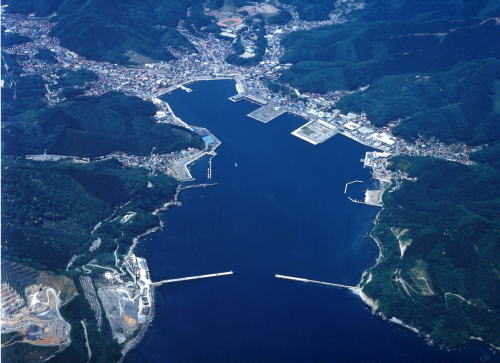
x,y
189,278
301,279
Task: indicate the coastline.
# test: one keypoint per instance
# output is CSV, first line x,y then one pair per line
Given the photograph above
x,y
239,87
373,304
132,343
366,275
173,202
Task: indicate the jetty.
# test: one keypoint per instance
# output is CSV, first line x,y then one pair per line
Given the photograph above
x,y
162,282
301,279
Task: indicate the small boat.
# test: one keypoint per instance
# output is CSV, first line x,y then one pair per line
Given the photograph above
x,y
235,164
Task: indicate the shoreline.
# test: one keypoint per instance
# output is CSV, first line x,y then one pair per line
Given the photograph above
x,y
358,290
366,274
173,202
134,342
373,304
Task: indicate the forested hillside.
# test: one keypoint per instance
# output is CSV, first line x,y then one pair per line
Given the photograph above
x,y
94,126
434,65
82,126
459,105
116,31
357,53
61,213
445,282
50,208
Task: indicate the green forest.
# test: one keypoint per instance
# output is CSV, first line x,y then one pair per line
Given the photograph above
x,y
459,105
113,31
86,126
356,54
435,66
50,208
94,126
450,266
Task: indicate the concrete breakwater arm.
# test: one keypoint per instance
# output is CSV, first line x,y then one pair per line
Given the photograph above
x,y
197,186
301,279
158,283
351,182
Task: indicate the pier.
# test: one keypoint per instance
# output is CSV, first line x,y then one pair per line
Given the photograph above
x,y
162,282
215,77
300,279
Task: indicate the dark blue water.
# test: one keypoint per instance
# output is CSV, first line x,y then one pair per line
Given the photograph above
x,y
281,210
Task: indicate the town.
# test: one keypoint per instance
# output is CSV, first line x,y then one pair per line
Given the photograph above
x,y
152,80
